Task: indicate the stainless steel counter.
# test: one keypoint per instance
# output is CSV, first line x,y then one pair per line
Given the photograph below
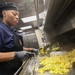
x,y
32,65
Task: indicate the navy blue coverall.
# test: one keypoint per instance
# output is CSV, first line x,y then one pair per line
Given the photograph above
x,y
9,41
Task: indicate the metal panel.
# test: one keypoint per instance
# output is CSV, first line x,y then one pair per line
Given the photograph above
x,y
67,25
30,40
60,17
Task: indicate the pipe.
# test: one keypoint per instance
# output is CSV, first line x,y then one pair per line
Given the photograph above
x,y
36,2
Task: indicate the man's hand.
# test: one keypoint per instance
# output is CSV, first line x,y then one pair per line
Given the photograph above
x,y
23,55
34,51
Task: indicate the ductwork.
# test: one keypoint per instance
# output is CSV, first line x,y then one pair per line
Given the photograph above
x,y
57,11
60,19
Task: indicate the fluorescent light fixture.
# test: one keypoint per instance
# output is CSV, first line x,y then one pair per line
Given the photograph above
x,y
26,27
33,18
29,19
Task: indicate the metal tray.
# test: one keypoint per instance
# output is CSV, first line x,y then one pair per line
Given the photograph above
x,y
31,67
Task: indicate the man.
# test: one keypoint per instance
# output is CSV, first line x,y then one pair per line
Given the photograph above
x,y
11,51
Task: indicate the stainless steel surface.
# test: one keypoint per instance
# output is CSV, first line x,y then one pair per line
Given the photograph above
x,y
24,66
36,3
28,69
16,73
19,70
33,65
60,18
30,40
67,25
54,8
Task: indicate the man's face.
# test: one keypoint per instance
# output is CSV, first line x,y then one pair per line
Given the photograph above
x,y
11,17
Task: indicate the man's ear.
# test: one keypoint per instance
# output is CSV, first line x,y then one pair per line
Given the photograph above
x,y
4,13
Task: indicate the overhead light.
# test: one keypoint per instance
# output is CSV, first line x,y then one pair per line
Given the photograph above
x,y
29,19
26,27
32,18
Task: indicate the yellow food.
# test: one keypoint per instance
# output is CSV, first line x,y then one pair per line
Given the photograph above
x,y
60,64
41,50
55,48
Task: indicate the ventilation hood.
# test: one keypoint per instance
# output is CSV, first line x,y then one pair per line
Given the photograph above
x,y
57,11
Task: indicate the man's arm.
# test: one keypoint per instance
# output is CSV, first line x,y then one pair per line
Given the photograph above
x,y
6,56
18,55
27,49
